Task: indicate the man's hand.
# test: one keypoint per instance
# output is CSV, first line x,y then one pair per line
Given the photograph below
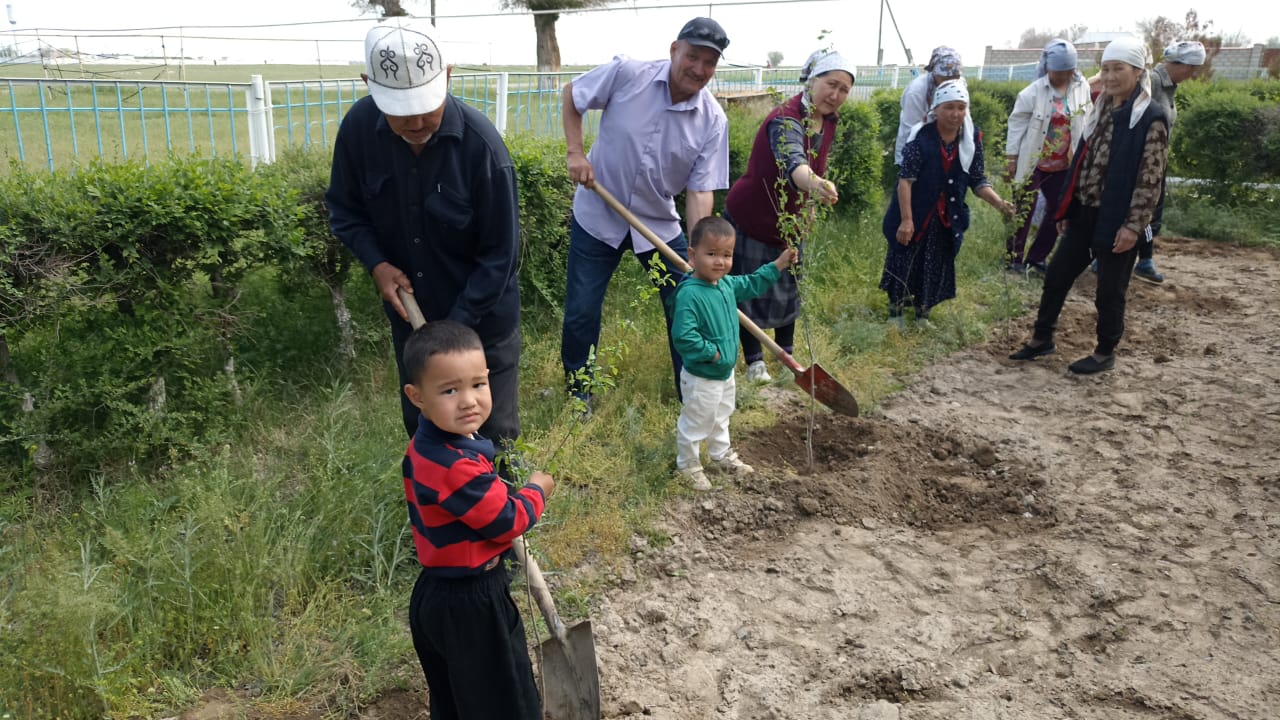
x,y
387,278
580,170
1125,240
1010,168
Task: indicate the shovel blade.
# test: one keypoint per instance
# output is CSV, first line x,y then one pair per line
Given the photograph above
x,y
570,679
827,390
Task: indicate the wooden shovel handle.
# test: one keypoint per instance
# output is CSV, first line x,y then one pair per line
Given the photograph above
x,y
674,258
541,593
416,319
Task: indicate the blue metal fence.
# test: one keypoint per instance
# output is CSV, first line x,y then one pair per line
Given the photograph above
x,y
50,122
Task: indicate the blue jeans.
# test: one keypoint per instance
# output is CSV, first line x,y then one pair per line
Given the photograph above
x,y
591,266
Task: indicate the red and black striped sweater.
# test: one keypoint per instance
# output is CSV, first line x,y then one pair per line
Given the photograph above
x,y
463,515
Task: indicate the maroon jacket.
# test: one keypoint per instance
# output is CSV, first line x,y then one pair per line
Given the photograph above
x,y
753,199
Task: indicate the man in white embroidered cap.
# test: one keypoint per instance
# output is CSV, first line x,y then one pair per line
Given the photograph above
x,y
423,192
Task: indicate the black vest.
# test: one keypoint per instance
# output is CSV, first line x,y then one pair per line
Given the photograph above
x,y
934,181
1121,174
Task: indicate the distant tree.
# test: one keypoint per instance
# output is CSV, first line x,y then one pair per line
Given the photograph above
x,y
1033,38
1273,41
544,24
386,8
389,8
775,58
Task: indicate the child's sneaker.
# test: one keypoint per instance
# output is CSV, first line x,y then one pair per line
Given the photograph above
x,y
733,465
758,373
697,479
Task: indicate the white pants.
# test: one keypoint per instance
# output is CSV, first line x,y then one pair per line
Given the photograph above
x,y
708,404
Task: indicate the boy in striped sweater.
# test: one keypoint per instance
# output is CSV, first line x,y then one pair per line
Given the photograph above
x,y
466,630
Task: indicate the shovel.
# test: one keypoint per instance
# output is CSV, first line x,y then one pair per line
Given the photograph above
x,y
570,679
571,682
814,380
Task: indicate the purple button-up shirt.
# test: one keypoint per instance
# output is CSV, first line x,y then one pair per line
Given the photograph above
x,y
648,149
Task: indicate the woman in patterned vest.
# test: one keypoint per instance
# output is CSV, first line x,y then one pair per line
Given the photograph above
x,y
1110,199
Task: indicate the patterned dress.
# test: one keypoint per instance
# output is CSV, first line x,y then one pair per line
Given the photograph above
x,y
923,273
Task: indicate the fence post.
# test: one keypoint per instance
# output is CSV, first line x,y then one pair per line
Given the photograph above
x,y
255,107
759,78
501,120
1010,72
270,124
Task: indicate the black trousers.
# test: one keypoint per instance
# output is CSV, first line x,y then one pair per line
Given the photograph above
x,y
1147,249
753,350
503,358
1069,260
470,641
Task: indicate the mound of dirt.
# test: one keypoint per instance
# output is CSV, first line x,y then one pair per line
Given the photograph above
x,y
878,472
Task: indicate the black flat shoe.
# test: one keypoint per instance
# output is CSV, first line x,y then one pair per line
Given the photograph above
x,y
1089,365
1031,352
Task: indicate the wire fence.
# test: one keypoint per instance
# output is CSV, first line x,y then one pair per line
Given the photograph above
x,y
60,122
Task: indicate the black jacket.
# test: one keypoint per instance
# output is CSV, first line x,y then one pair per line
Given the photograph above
x,y
448,217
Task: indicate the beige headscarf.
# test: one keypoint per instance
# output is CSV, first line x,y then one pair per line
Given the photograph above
x,y
1134,51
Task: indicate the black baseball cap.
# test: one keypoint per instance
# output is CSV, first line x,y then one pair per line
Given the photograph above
x,y
705,32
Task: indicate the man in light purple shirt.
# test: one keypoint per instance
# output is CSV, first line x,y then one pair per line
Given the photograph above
x,y
661,132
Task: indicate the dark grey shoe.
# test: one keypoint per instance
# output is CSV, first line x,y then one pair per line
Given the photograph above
x,y
1089,365
1031,352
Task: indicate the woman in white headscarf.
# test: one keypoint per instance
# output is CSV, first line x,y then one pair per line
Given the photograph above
x,y
917,98
927,217
1046,120
1115,184
788,163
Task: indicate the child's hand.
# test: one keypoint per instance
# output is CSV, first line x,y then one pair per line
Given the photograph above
x,y
788,257
544,481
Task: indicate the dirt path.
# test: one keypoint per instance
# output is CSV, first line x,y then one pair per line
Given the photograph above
x,y
1004,541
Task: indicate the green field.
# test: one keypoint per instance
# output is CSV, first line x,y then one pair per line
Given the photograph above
x,y
121,111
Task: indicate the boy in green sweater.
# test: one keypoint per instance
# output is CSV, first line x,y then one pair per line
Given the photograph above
x,y
704,330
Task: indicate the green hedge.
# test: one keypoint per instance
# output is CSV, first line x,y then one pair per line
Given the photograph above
x,y
1227,133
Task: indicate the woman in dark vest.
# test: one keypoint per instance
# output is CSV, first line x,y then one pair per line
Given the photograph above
x,y
927,216
788,161
1107,204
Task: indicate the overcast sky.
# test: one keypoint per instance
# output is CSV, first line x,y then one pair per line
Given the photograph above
x,y
643,28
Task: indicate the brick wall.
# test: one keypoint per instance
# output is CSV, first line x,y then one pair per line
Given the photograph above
x,y
1231,63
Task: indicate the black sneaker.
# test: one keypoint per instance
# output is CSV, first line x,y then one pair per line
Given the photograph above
x,y
1089,365
1016,267
1031,352
1038,268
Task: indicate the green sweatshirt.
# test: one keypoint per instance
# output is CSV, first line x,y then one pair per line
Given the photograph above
x,y
705,319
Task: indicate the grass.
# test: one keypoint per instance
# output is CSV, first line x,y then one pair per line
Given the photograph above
x,y
280,561
1244,217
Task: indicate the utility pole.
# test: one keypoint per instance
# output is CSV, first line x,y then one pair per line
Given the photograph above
x,y
13,28
879,35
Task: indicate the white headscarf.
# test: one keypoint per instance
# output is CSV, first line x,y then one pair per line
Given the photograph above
x,y
1187,52
822,62
1134,51
949,91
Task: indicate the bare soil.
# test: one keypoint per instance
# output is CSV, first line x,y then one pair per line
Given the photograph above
x,y
1000,540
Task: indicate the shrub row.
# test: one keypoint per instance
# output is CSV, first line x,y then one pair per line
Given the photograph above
x,y
139,304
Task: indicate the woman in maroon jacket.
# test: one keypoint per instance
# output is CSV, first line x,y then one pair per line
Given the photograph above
x,y
788,161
